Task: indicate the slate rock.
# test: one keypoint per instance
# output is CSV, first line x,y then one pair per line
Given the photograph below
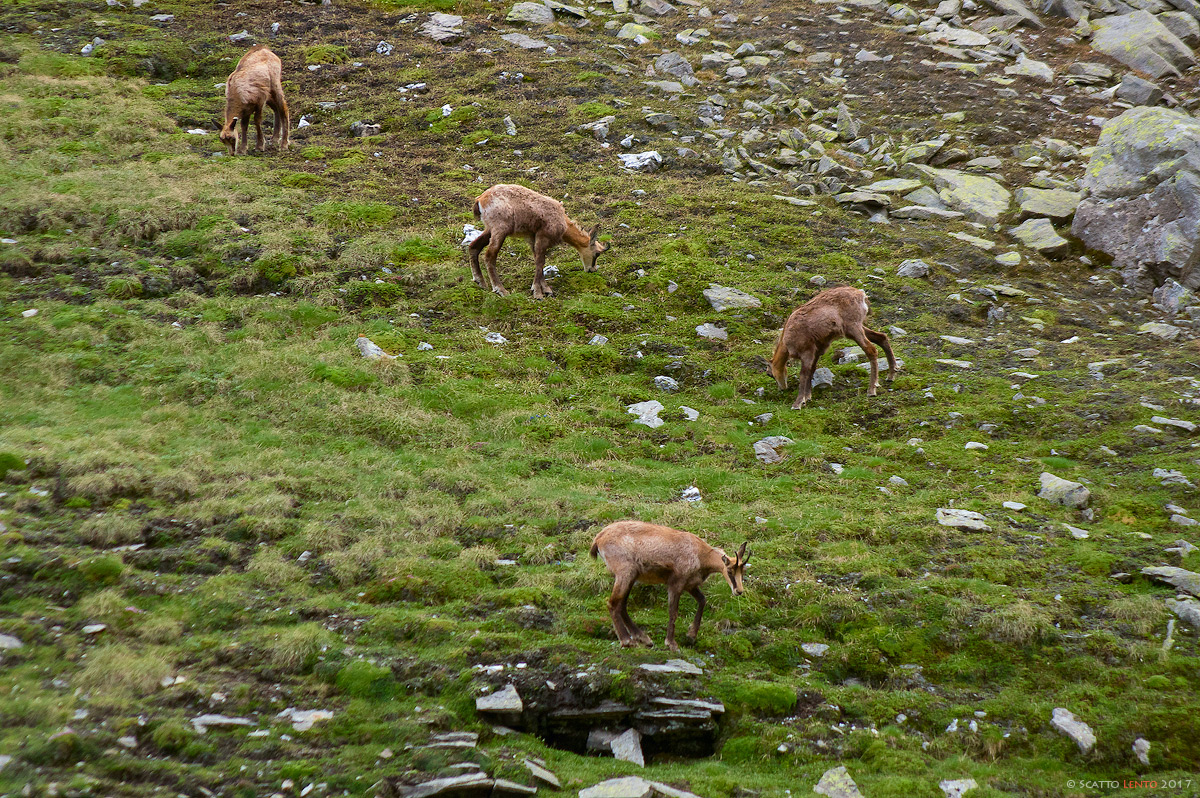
x,y
672,666
722,298
665,383
766,449
1188,611
1063,491
531,14
202,722
823,377
1181,579
1069,724
1040,235
648,161
567,10
1139,41
1172,296
469,784
542,774
634,31
836,783
1184,23
1141,749
709,330
1028,68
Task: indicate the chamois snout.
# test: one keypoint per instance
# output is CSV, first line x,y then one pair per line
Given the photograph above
x,y
736,568
229,135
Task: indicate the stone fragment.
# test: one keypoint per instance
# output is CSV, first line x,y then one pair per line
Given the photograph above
x,y
962,519
1188,611
1028,68
1069,724
823,377
1177,423
1141,749
443,28
507,700
648,161
525,42
913,267
722,298
566,10
1051,203
8,642
640,34
1063,491
1138,91
673,63
955,788
1040,235
766,449
543,775
453,786
836,783
672,666
709,330
665,383
980,198
202,722
814,649
627,747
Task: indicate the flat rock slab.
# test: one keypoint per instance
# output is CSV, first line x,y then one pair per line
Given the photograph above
x,y
443,28
722,298
836,783
1063,491
1051,203
504,701
542,774
672,666
524,42
766,449
980,198
470,784
896,185
1069,724
709,330
648,161
1188,611
201,723
962,519
1181,579
303,719
626,787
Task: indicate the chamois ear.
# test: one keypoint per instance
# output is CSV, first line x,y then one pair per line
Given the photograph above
x,y
725,560
594,232
741,555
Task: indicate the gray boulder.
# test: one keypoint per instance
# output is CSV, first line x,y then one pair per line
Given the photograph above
x,y
1063,491
674,64
443,28
1039,234
1184,24
836,783
1143,203
1138,40
1181,579
1069,724
531,13
1051,203
980,198
1138,91
722,298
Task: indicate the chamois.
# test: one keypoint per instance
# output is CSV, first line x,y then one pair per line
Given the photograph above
x,y
635,551
836,313
255,82
515,210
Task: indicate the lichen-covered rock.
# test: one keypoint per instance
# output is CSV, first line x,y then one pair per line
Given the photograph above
x,y
1140,41
722,298
980,198
1143,203
1051,203
1040,234
836,783
1181,579
531,13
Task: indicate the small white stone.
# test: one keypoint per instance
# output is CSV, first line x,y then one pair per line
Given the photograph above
x,y
29,313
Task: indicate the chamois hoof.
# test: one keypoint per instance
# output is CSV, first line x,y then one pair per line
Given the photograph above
x,y
798,406
499,290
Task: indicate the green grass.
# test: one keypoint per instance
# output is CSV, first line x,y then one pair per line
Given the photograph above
x,y
194,454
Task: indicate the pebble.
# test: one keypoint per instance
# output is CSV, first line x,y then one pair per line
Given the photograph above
x,y
29,313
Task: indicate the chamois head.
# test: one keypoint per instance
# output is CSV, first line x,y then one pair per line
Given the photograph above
x,y
589,253
229,135
735,568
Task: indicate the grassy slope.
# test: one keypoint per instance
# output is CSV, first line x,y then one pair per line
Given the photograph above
x,y
190,382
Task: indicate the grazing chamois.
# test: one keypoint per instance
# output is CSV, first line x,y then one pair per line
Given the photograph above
x,y
836,313
255,82
639,552
515,210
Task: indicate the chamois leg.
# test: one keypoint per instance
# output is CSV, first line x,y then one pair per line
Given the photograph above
x,y
779,362
616,610
694,629
881,338
808,364
541,245
281,113
673,592
635,631
243,142
493,249
859,337
260,140
473,249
